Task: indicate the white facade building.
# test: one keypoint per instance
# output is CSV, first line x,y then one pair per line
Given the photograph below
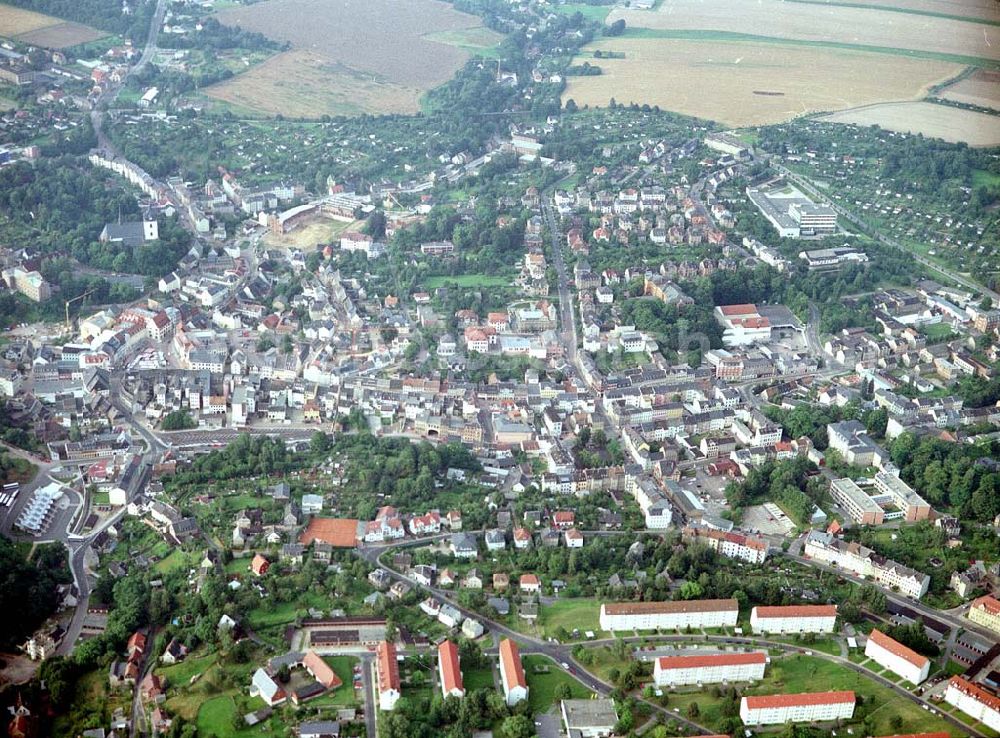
x,y
974,701
778,709
669,615
897,658
794,619
673,671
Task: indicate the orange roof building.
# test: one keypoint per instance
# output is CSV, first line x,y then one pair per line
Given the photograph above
x,y
449,671
897,658
974,701
515,686
778,709
669,615
387,667
709,668
259,565
320,670
794,619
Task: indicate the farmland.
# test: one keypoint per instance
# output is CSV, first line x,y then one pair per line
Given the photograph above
x,y
935,121
43,30
745,83
818,22
332,69
981,88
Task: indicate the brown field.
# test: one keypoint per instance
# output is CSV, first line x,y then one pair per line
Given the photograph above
x,y
29,27
351,57
981,88
308,235
308,85
984,9
813,22
934,121
741,84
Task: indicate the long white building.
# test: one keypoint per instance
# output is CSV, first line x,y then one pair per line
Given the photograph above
x,y
866,564
778,709
669,615
897,658
794,619
974,701
515,686
674,671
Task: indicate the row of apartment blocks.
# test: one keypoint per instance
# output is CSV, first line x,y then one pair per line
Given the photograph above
x,y
866,564
716,614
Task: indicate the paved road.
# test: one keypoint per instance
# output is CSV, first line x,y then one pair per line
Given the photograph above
x,y
368,685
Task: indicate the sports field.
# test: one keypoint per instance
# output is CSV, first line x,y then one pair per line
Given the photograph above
x,y
824,23
351,57
933,121
747,83
37,29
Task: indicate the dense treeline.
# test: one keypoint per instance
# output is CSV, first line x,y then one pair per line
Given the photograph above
x,y
28,588
962,477
788,483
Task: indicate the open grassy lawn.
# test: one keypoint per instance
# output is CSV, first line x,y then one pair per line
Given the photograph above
x,y
465,280
590,12
280,613
543,676
577,613
180,674
344,695
982,178
937,331
216,716
478,679
603,661
176,559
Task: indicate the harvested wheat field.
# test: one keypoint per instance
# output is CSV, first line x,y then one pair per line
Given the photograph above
x,y
933,121
822,23
29,27
742,84
975,9
981,88
351,56
301,84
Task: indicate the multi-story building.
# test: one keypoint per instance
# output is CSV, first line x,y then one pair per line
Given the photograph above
x,y
732,545
669,615
31,284
850,439
778,709
897,658
985,611
449,671
866,564
387,668
856,503
974,701
794,619
914,506
672,671
515,686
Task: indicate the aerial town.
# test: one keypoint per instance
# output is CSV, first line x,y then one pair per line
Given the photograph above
x,y
568,421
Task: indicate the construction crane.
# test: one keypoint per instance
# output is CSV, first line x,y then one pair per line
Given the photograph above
x,y
69,326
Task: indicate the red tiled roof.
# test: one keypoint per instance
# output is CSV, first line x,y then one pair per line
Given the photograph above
x,y
976,692
919,735
715,659
796,611
388,667
510,657
795,700
451,673
743,309
640,608
897,649
988,603
320,670
339,532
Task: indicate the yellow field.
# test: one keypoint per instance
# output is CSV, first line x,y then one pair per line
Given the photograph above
x,y
985,9
933,121
303,84
982,88
29,27
823,23
741,84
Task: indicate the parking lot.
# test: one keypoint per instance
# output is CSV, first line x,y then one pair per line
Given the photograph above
x,y
762,518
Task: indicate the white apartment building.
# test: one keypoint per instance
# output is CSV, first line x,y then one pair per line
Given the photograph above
x,y
387,668
974,701
515,686
778,709
669,615
674,671
794,619
862,508
866,564
914,506
897,658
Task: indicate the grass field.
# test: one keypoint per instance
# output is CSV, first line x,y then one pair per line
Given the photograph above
x,y
478,679
814,22
592,12
937,331
746,83
30,27
542,684
933,121
176,559
465,280
982,178
333,69
583,614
